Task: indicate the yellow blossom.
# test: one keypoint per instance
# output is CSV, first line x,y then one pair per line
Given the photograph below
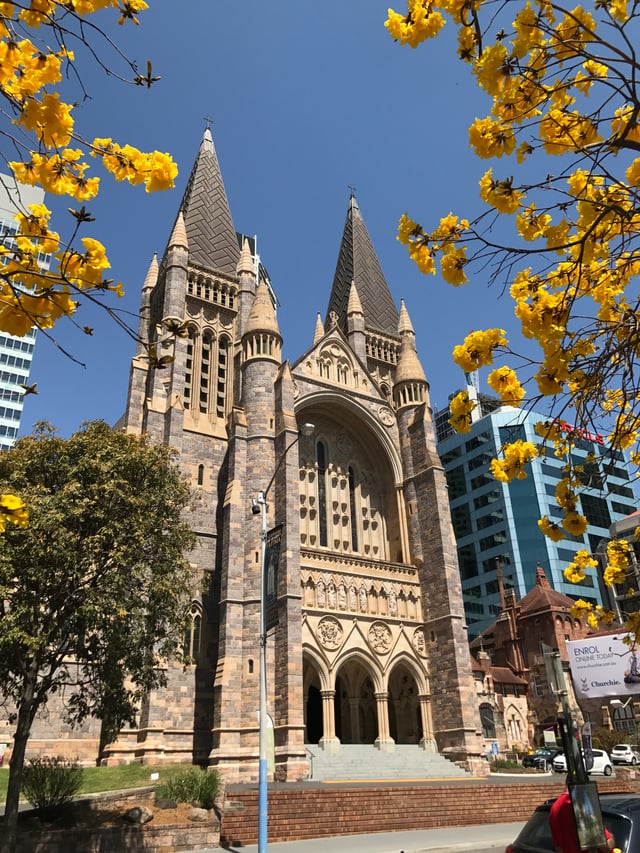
x,y
460,409
478,349
491,138
517,454
14,510
452,266
500,194
504,382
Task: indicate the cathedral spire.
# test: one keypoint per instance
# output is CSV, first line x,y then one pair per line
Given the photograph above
x,y
319,330
207,218
357,262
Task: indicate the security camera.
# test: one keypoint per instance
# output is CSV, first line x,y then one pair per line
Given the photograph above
x,y
255,506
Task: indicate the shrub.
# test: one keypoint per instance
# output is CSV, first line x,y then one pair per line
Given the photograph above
x,y
192,786
50,783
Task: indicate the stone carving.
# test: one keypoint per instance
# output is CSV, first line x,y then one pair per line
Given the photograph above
x,y
393,603
331,596
353,603
320,597
362,597
329,633
386,416
380,638
342,597
420,642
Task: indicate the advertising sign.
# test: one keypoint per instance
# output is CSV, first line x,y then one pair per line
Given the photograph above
x,y
604,666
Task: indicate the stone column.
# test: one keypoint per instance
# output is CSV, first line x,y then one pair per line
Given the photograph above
x,y
427,740
384,739
328,740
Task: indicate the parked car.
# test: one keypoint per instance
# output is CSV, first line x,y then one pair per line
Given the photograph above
x,y
601,763
624,753
541,759
620,812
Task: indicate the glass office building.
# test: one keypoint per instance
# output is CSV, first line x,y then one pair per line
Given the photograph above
x,y
496,524
15,353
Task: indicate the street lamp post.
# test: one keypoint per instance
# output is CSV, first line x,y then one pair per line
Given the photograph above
x,y
259,506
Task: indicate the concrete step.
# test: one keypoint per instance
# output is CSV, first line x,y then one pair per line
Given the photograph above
x,y
359,762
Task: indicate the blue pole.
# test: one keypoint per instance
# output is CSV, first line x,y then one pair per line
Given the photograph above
x,y
262,722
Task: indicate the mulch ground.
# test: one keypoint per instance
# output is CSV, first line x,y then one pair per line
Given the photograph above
x,y
112,814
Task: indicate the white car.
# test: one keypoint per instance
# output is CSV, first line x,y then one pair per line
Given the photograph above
x,y
601,763
624,753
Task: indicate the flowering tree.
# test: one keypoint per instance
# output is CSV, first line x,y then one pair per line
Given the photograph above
x,y
559,226
41,145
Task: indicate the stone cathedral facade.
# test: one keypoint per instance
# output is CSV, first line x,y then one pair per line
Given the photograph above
x,y
370,644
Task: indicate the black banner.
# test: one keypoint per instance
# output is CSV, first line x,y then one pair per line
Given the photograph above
x,y
271,568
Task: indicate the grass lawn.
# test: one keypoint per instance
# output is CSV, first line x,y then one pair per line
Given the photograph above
x,y
95,779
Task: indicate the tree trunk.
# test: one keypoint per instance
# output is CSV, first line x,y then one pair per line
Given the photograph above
x,y
26,713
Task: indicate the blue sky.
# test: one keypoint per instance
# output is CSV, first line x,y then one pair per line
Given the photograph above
x,y
304,99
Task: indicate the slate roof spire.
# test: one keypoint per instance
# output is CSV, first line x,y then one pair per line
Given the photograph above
x,y
211,235
357,262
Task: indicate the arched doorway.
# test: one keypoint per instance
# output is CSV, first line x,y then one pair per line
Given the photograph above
x,y
405,725
313,720
355,704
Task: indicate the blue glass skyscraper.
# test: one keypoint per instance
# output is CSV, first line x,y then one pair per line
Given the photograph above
x,y
496,524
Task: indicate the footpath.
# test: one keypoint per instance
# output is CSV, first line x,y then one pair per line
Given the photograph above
x,y
447,840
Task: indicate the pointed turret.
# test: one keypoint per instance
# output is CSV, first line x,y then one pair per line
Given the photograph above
x,y
357,261
319,330
209,227
178,238
355,324
152,274
261,337
411,387
245,264
145,300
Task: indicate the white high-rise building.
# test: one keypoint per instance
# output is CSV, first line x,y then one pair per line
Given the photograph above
x,y
16,353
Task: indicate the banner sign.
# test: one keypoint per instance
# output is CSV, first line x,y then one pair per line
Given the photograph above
x,y
271,566
604,667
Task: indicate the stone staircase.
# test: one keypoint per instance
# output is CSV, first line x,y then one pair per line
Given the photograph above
x,y
355,762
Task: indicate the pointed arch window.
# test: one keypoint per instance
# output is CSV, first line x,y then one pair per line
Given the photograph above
x,y
192,633
352,509
188,372
321,458
205,372
223,366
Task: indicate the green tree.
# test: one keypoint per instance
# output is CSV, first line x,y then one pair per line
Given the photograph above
x,y
94,590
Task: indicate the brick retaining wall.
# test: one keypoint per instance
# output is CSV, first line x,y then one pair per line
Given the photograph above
x,y
300,813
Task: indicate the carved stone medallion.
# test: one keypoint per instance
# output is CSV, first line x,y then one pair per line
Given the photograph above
x,y
380,638
329,633
386,416
420,642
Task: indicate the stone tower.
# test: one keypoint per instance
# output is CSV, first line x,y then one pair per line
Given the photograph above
x,y
370,643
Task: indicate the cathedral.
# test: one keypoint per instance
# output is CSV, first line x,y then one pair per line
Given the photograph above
x,y
367,641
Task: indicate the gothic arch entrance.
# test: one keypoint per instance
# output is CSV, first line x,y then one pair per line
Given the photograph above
x,y
355,704
405,725
313,719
